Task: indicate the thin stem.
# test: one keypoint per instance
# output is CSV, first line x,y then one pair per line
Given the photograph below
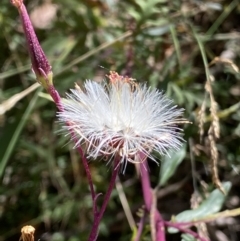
x,y
185,230
146,187
98,216
43,74
89,177
148,199
57,99
125,204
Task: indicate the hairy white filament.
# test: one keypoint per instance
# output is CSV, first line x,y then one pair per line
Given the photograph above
x,y
121,119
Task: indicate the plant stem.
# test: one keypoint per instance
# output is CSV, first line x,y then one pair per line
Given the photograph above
x,y
185,230
98,216
57,99
42,70
89,177
148,199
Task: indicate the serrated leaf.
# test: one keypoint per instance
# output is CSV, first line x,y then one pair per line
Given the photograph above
x,y
170,164
211,205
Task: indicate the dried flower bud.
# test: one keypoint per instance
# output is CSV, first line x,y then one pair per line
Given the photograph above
x,y
27,233
40,64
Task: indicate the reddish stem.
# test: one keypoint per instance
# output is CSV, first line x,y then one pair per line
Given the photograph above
x,y
185,230
89,176
57,99
148,199
98,216
43,73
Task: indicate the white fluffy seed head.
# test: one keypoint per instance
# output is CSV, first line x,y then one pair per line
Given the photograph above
x,y
121,118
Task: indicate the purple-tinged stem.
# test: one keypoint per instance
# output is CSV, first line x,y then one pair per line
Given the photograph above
x,y
98,216
57,99
42,70
89,177
148,199
185,230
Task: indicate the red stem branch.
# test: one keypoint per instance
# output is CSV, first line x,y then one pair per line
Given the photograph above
x,y
185,230
98,216
57,99
148,199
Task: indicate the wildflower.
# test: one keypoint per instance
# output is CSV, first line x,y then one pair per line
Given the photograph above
x,y
121,118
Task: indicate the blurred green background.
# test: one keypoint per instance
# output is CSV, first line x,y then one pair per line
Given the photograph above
x,y
163,43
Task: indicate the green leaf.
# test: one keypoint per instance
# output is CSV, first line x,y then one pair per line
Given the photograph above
x,y
211,205
187,237
170,164
134,13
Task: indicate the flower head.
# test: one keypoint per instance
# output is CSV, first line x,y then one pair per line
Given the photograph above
x,y
121,118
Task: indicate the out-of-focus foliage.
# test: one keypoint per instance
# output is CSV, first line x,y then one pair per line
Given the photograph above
x,y
163,43
211,205
170,163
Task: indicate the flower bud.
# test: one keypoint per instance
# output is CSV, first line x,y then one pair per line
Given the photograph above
x,y
40,64
27,233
